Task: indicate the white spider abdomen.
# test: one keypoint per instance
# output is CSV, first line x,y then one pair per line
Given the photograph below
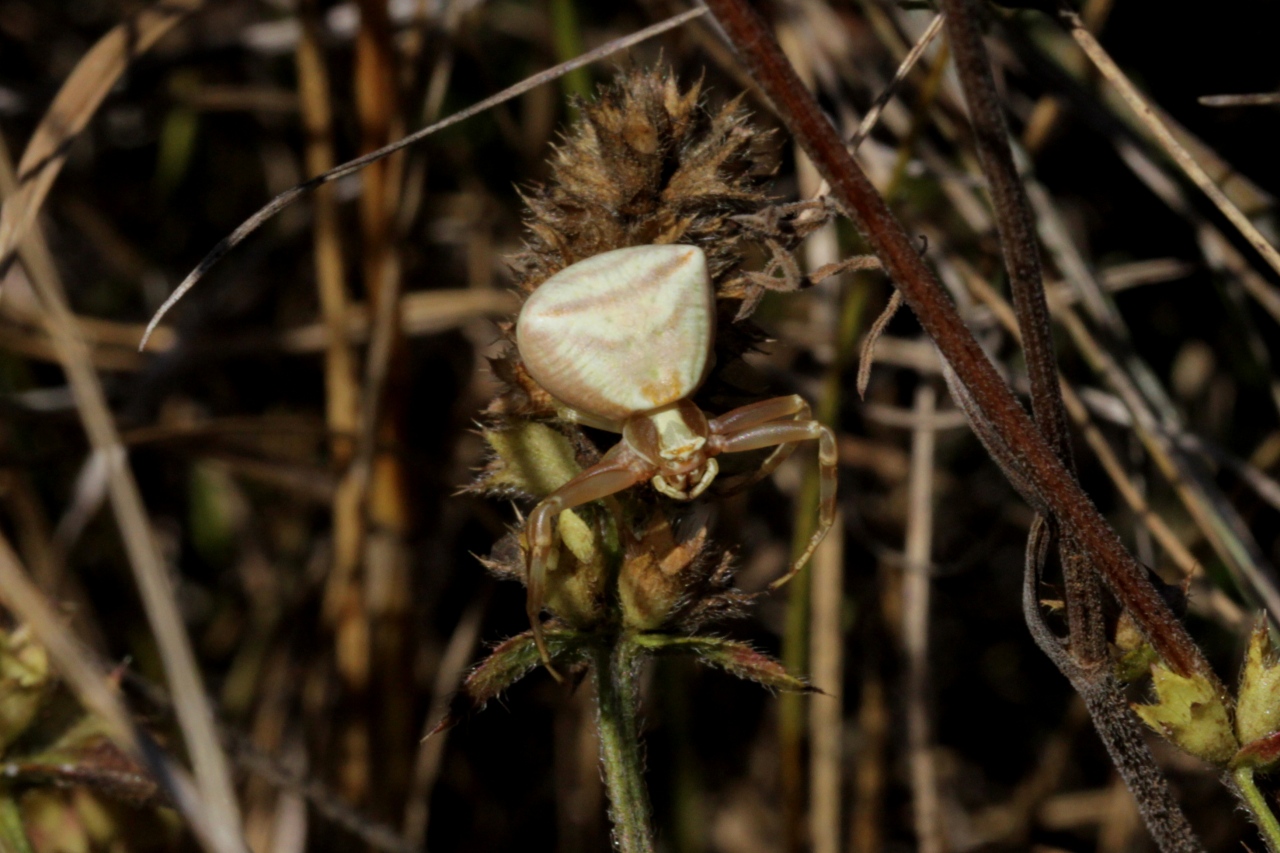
x,y
621,332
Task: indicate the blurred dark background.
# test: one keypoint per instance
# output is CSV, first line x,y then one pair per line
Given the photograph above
x,y
242,457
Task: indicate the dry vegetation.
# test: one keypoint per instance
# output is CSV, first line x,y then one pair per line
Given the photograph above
x,y
248,628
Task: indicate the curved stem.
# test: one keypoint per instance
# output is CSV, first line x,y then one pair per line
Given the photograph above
x,y
1259,809
615,668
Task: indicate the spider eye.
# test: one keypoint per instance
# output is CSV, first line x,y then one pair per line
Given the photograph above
x,y
621,332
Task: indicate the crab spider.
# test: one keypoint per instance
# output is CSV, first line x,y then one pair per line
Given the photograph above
x,y
622,340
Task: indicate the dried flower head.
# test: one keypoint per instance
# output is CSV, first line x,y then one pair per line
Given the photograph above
x,y
648,164
646,232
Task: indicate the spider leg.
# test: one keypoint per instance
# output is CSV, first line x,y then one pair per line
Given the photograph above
x,y
736,421
790,433
617,471
754,414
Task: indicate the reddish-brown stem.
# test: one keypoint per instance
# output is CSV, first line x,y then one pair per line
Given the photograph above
x,y
1013,221
1083,659
1016,225
1054,488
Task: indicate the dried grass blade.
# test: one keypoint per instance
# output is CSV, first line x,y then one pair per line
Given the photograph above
x,y
1147,115
930,823
1155,417
826,666
289,196
76,102
341,390
195,717
869,121
868,357
1213,512
872,118
1106,457
324,802
453,666
1261,99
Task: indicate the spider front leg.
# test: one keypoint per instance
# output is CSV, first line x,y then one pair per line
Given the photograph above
x,y
735,422
617,471
780,435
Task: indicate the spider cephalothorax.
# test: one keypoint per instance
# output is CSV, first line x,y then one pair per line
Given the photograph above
x,y
623,340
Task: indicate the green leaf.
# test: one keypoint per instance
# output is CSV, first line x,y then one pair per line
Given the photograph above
x,y
24,678
1190,714
13,835
509,662
1263,753
578,536
1134,664
530,458
1136,656
1258,703
84,756
733,657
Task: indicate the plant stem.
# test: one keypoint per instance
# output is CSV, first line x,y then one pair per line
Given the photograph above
x,y
566,31
1259,809
13,837
1032,463
792,707
616,670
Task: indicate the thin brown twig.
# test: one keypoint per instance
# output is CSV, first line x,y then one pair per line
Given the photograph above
x,y
76,103
1014,221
